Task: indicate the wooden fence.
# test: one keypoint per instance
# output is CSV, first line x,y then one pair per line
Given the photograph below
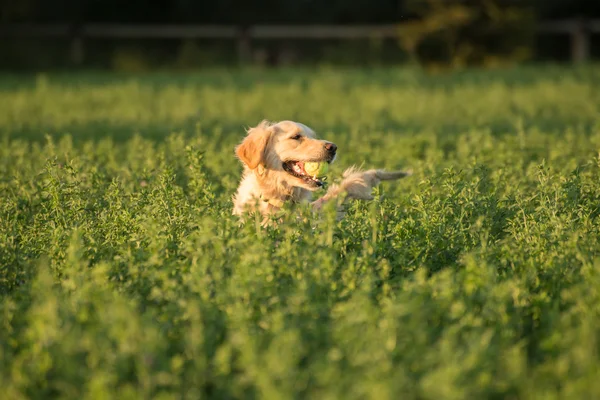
x,y
579,30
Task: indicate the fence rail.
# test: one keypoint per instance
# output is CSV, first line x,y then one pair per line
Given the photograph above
x,y
579,30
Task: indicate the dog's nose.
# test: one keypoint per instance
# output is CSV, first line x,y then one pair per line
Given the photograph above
x,y
331,147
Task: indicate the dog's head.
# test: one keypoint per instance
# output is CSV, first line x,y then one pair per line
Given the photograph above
x,y
278,151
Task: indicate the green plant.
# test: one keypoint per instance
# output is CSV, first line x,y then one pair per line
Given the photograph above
x,y
123,273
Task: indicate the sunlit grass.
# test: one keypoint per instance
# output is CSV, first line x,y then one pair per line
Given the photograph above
x,y
123,274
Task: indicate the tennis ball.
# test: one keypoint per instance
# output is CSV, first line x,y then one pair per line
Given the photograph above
x,y
316,168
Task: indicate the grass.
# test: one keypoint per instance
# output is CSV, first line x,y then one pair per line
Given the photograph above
x,y
123,274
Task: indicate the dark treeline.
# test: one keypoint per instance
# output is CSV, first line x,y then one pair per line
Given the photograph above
x,y
264,11
436,33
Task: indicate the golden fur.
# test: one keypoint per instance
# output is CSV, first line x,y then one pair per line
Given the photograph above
x,y
266,185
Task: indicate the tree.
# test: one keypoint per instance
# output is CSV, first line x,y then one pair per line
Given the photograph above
x,y
467,32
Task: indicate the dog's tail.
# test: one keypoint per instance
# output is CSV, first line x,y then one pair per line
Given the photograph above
x,y
357,184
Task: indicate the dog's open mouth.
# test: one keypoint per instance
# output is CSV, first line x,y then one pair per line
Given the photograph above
x,y
296,168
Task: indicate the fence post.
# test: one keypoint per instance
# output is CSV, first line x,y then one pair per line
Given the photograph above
x,y
580,42
244,46
76,49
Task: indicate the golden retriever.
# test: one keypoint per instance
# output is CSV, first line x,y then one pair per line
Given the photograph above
x,y
273,155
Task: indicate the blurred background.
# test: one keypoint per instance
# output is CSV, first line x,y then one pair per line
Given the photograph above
x,y
139,35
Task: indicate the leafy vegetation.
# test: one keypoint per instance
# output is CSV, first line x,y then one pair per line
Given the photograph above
x,y
123,274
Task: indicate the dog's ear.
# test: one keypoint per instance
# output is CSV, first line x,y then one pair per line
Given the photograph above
x,y
252,150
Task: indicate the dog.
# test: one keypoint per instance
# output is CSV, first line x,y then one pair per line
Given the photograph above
x,y
273,156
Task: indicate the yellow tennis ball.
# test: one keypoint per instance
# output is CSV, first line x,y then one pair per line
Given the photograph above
x,y
316,168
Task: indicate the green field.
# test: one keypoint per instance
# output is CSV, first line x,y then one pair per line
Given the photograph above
x,y
123,274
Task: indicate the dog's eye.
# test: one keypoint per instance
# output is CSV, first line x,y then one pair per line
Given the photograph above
x,y
296,137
